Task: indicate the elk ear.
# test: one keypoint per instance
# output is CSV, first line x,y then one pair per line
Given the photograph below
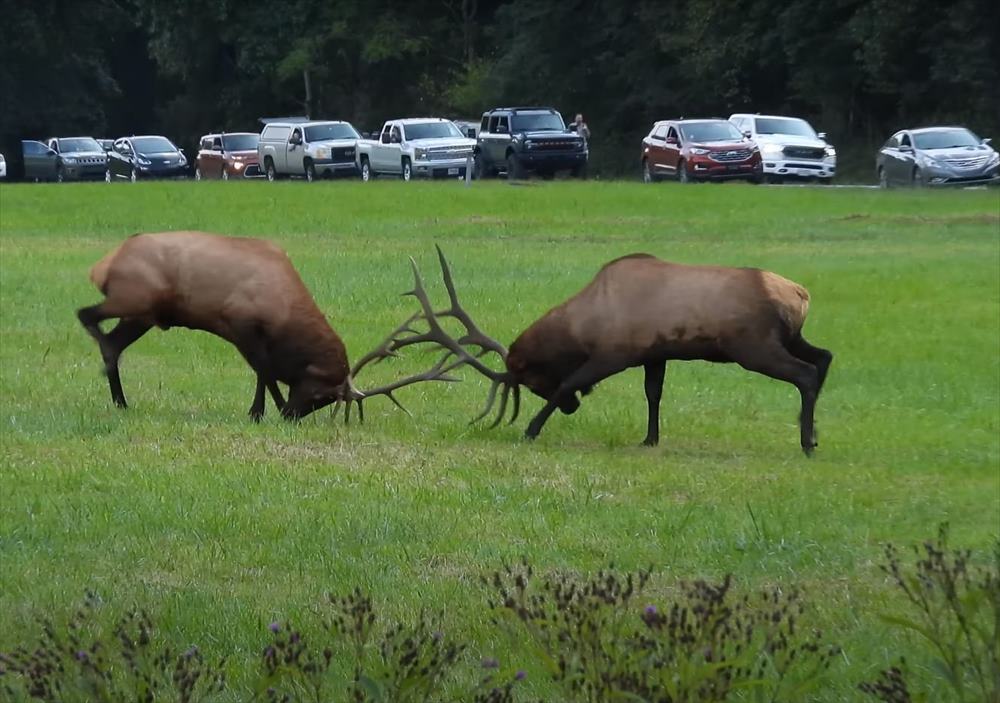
x,y
516,364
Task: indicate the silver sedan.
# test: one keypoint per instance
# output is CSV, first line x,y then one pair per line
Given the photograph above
x,y
937,156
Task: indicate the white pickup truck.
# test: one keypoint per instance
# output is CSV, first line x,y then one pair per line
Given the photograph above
x,y
427,146
307,149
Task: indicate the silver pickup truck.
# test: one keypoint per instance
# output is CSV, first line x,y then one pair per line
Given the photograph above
x,y
427,146
307,149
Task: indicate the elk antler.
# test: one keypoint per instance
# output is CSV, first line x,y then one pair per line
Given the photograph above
x,y
435,334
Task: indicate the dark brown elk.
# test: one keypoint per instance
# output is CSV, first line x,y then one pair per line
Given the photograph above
x,y
641,311
243,290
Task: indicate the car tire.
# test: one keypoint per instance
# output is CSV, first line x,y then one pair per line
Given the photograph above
x,y
107,175
883,178
514,170
480,171
310,172
197,173
580,172
366,169
647,173
269,171
133,175
682,173
407,172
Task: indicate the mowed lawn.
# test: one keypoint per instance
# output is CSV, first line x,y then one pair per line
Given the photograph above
x,y
218,526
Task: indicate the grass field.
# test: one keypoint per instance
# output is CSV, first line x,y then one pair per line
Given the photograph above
x,y
219,526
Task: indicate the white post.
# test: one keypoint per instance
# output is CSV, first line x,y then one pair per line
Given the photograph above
x,y
468,170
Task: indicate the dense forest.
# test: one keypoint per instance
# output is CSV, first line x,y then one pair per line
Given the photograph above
x,y
857,69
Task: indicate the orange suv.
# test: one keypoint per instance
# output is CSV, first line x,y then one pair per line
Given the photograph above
x,y
695,150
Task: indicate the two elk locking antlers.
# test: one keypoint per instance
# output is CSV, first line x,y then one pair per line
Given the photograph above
x,y
637,311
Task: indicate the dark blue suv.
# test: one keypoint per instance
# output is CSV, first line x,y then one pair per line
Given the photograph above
x,y
522,140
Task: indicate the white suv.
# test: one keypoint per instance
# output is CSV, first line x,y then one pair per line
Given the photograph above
x,y
790,147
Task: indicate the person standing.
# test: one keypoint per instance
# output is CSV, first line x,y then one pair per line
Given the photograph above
x,y
581,128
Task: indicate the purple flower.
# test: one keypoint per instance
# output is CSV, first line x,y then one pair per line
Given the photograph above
x,y
81,656
490,663
650,610
269,652
519,676
274,627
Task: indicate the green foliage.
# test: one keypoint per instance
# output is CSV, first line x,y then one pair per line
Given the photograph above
x,y
955,609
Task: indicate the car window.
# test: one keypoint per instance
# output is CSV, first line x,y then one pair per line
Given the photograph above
x,y
34,148
484,125
905,141
397,135
123,148
672,133
276,132
893,142
945,139
432,130
217,144
206,143
660,133
503,124
296,135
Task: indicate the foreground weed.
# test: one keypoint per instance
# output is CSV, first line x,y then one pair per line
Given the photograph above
x,y
82,661
600,645
955,609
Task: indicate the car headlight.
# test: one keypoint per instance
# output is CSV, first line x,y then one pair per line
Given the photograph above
x,y
700,152
995,158
238,165
830,151
143,161
420,153
928,161
528,143
771,149
322,153
69,160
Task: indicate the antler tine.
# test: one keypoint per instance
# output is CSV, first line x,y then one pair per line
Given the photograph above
x,y
438,372
386,348
473,335
503,406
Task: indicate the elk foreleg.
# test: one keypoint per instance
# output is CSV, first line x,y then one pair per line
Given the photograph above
x,y
589,374
654,390
127,331
265,382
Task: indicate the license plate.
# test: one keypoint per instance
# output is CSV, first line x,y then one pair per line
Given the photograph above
x,y
732,167
804,172
453,171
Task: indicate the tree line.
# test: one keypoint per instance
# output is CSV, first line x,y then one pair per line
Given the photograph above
x,y
857,69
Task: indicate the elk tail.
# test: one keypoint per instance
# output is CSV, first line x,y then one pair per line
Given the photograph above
x,y
99,271
790,299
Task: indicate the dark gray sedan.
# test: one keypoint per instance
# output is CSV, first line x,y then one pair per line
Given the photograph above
x,y
937,156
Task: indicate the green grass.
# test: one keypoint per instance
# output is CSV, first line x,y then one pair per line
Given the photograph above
x,y
220,526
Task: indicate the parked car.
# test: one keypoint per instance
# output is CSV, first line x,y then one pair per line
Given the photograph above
x,y
936,156
227,155
696,150
520,140
106,144
77,158
470,128
789,147
39,160
412,147
308,149
3,167
148,156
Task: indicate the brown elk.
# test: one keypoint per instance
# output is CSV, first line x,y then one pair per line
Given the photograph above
x,y
641,311
243,290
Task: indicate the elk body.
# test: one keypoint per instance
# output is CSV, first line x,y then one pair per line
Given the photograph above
x,y
642,311
243,290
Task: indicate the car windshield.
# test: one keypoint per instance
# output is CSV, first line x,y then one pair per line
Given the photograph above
x,y
784,125
153,145
945,139
79,144
321,132
240,142
431,130
541,121
719,131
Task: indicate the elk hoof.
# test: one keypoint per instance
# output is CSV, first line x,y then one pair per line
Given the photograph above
x,y
650,442
256,415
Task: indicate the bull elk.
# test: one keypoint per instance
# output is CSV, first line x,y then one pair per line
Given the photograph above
x,y
640,311
245,291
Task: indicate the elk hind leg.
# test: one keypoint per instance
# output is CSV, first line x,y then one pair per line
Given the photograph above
x,y
775,361
817,356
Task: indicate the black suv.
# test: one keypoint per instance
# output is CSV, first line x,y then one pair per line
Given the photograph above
x,y
519,140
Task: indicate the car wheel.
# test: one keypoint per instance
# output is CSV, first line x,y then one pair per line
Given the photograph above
x,y
107,175
883,179
310,171
647,174
682,173
366,170
407,170
514,170
133,175
225,174
272,175
479,168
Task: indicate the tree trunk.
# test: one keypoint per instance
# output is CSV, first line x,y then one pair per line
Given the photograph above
x,y
309,96
469,30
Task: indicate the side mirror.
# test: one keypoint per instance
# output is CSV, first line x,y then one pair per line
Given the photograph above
x,y
988,140
502,129
905,147
471,133
821,135
50,152
747,134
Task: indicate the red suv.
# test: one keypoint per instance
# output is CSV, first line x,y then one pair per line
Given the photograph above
x,y
227,155
694,150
